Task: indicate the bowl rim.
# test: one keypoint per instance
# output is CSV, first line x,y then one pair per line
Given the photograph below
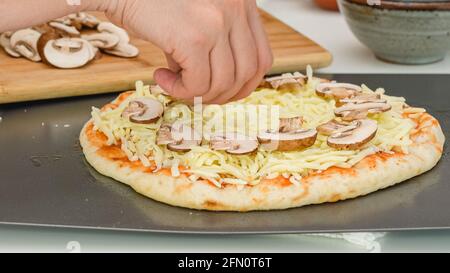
x,y
386,4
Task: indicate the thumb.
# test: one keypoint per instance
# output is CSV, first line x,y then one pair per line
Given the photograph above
x,y
172,64
166,79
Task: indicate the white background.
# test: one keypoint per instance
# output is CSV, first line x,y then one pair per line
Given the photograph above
x,y
330,30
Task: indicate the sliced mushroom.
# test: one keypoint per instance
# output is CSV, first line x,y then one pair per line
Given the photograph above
x,y
354,136
184,138
164,136
322,80
183,146
333,90
288,81
113,29
102,40
265,84
290,141
135,108
123,50
290,136
64,29
355,115
82,19
43,28
331,127
63,20
5,42
353,111
178,137
143,111
363,98
25,42
66,52
95,52
234,143
290,124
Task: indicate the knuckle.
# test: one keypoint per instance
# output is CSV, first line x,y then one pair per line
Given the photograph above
x,y
218,22
198,39
248,71
222,100
242,94
214,18
237,4
226,83
225,86
251,71
197,90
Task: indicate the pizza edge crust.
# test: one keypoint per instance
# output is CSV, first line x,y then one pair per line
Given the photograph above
x,y
371,174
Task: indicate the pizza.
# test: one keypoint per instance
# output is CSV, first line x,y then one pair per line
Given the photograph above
x,y
297,140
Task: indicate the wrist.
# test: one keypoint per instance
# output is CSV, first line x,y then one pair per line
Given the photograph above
x,y
114,9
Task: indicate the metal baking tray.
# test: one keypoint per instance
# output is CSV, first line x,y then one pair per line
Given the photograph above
x,y
45,181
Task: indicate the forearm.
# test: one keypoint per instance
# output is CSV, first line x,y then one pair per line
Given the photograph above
x,y
17,14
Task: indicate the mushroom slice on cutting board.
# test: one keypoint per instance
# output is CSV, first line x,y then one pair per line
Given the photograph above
x,y
102,40
333,90
354,136
5,42
82,19
143,111
123,50
66,52
289,141
178,137
63,20
25,42
44,28
287,82
353,111
331,127
113,29
66,30
234,143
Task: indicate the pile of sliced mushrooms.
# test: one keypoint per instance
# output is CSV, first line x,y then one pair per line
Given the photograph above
x,y
350,130
69,42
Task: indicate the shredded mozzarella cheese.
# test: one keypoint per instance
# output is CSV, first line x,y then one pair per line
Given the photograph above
x,y
138,140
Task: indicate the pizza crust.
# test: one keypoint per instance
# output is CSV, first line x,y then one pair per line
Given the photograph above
x,y
373,173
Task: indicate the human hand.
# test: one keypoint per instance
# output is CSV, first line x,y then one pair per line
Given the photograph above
x,y
216,49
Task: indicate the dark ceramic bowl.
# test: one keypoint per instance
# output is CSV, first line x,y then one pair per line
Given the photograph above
x,y
407,32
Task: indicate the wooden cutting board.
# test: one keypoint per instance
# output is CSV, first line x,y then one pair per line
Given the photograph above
x,y
22,80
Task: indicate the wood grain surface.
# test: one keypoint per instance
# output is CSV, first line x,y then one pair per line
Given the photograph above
x,y
22,80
